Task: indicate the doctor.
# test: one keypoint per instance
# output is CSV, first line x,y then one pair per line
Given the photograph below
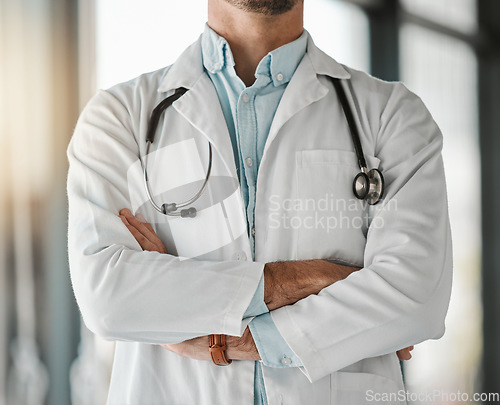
x,y
313,289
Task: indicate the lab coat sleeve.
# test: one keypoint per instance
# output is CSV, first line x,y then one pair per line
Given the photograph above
x,y
400,297
272,348
125,293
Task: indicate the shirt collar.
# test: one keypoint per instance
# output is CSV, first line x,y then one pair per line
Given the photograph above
x,y
215,51
279,64
188,68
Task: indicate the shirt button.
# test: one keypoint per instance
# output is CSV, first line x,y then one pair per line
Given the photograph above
x,y
279,77
249,162
245,98
253,231
240,256
286,361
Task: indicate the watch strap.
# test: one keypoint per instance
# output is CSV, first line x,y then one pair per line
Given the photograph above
x,y
218,349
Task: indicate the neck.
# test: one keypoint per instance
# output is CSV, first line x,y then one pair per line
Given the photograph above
x,y
251,35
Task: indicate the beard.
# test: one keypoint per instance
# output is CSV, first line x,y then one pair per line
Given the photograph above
x,y
265,7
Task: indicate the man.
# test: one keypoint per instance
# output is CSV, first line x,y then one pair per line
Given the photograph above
x,y
314,290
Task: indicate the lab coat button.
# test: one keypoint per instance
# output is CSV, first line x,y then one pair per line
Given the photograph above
x,y
249,162
240,256
245,98
279,77
286,361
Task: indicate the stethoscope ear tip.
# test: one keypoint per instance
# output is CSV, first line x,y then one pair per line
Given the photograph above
x,y
168,208
188,212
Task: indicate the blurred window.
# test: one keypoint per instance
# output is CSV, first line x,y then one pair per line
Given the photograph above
x,y
460,15
341,30
443,72
138,36
133,37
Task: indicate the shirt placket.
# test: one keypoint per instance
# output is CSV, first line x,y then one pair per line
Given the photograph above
x,y
247,139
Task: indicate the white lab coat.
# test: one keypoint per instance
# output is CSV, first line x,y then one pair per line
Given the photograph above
x,y
347,335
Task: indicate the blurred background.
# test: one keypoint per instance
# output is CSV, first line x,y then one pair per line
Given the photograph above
x,y
55,54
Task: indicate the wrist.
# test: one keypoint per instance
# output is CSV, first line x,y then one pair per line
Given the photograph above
x,y
274,288
242,348
268,285
217,348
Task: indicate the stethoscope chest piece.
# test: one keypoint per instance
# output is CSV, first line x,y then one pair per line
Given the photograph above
x,y
369,186
361,185
376,190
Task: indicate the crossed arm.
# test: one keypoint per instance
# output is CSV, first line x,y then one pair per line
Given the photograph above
x,y
284,284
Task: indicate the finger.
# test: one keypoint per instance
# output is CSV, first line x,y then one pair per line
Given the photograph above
x,y
177,348
144,242
148,225
125,212
404,354
124,220
400,354
145,229
141,218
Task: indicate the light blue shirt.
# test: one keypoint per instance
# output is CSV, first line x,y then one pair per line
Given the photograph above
x,y
249,113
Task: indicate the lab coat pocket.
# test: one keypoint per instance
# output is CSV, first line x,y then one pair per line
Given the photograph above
x,y
331,222
349,388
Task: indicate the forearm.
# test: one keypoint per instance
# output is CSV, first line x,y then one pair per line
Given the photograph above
x,y
288,282
284,284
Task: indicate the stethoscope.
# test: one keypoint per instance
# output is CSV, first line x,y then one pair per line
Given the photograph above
x,y
368,185
171,209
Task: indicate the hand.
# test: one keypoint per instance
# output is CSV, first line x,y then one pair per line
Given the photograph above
x,y
142,232
404,354
196,348
238,348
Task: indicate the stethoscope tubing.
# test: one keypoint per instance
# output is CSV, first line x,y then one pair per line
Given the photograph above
x,y
374,180
182,204
352,124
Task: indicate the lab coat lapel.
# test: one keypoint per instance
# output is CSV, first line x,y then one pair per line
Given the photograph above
x,y
304,87
200,105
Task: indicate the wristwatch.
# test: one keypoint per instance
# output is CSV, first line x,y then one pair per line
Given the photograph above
x,y
217,350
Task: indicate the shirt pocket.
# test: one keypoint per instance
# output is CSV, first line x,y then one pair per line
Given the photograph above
x,y
348,388
331,222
